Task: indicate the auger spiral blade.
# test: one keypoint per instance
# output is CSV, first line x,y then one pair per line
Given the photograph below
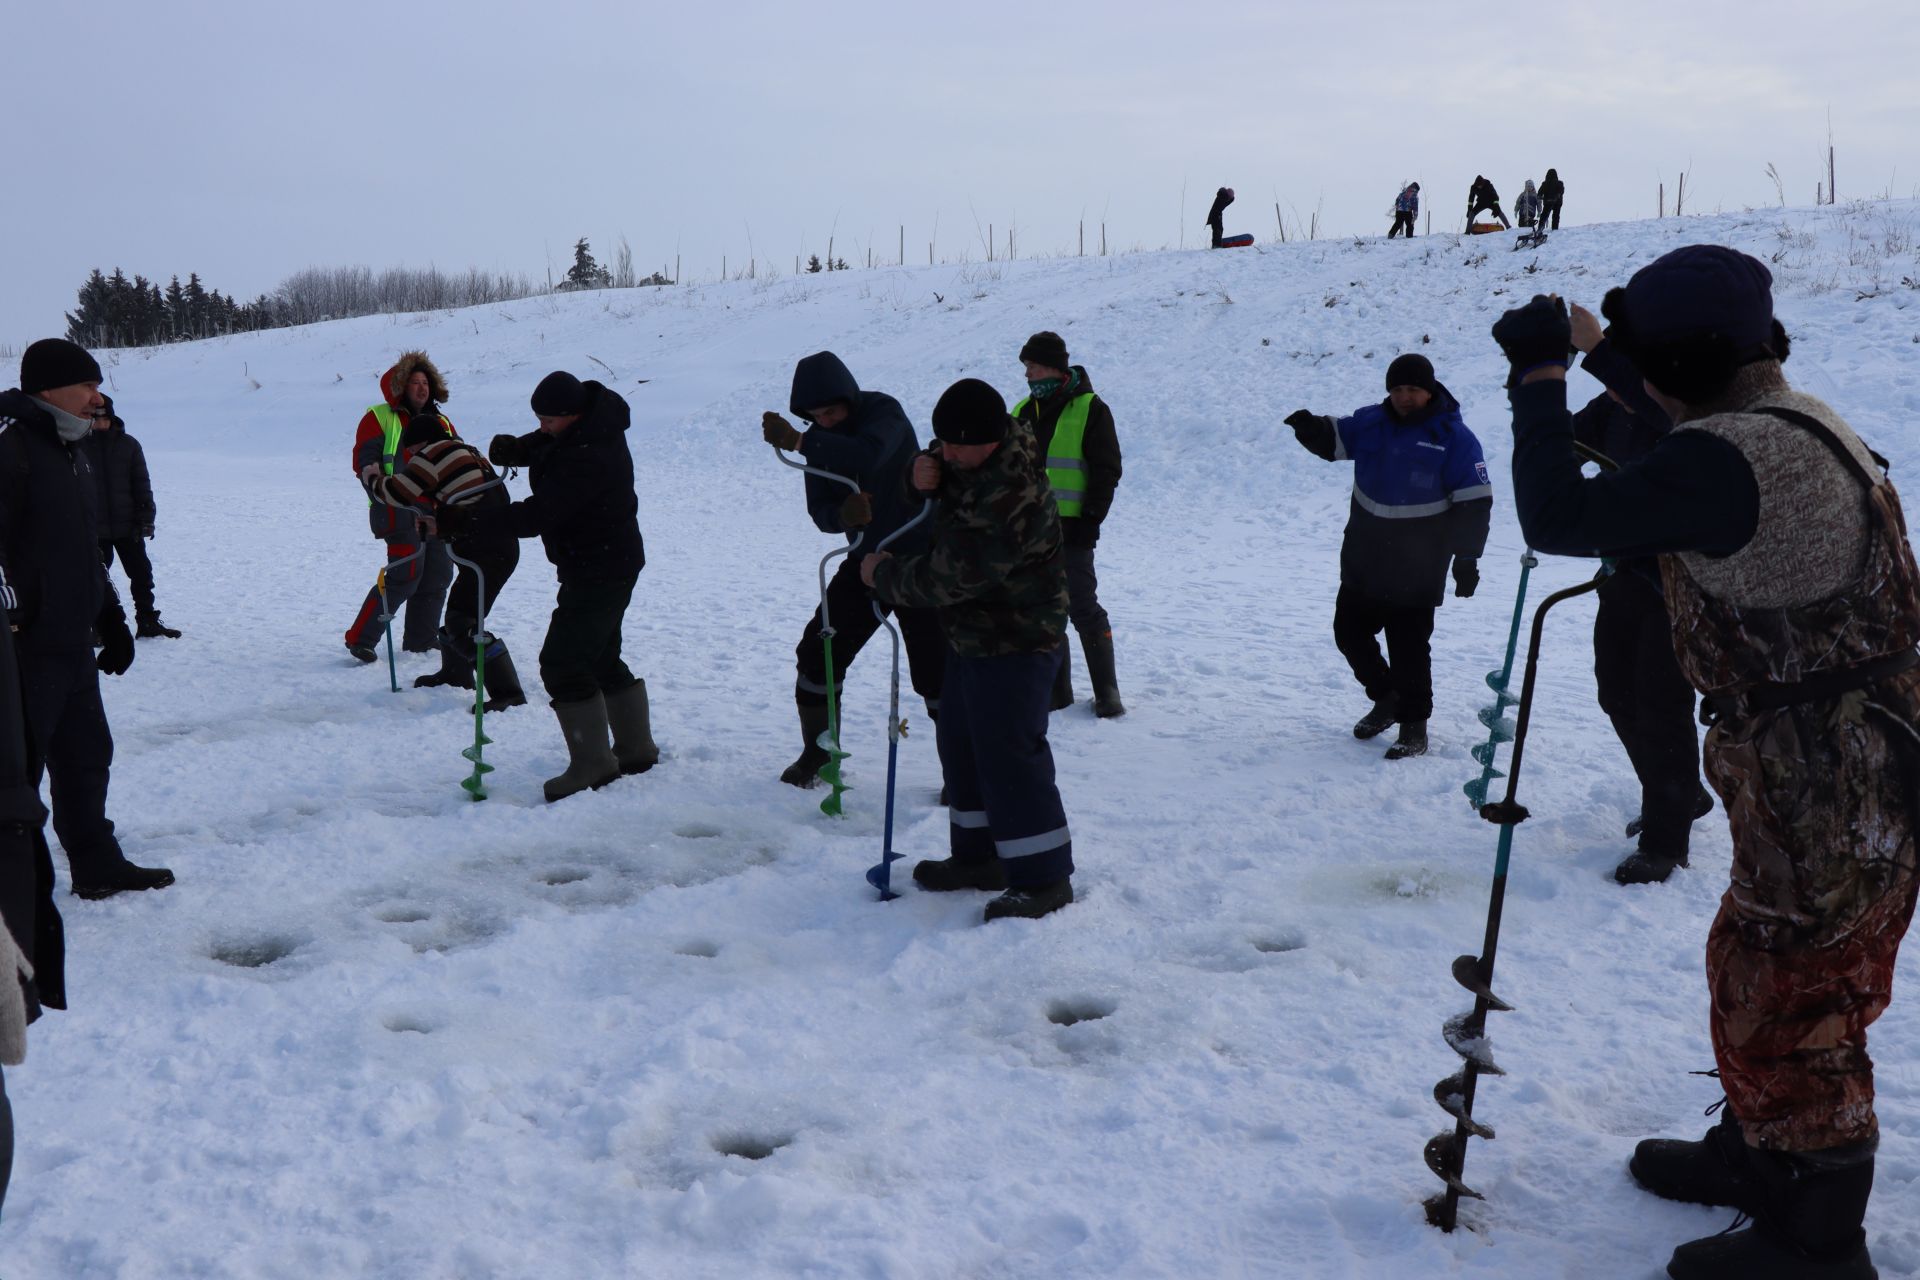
x,y
1483,754
1476,791
1451,1095
1498,681
1471,1043
1441,1153
880,875
1466,972
830,774
1494,718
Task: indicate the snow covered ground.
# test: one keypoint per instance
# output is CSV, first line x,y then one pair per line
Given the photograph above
x,y
377,1030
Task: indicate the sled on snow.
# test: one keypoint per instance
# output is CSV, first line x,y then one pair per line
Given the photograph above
x,y
1234,242
1485,228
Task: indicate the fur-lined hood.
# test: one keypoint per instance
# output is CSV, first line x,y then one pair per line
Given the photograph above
x,y
393,382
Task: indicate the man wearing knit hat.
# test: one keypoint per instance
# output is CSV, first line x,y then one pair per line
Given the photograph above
x,y
1796,611
997,573
584,511
1074,428
1421,500
59,599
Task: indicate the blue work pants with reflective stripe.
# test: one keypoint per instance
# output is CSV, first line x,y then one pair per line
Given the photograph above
x,y
998,768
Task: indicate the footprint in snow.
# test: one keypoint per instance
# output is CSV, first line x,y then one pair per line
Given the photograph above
x,y
1068,1013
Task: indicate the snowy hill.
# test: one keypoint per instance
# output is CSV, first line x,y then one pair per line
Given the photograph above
x,y
377,1030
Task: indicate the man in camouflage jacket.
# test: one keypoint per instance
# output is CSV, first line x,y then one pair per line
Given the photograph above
x,y
1796,611
996,571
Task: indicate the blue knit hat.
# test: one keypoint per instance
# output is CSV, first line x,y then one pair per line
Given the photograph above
x,y
1691,319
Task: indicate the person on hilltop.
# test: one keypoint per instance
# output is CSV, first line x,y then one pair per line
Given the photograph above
x,y
126,512
584,511
1406,208
1552,192
1482,198
1526,205
438,474
1795,599
412,388
996,571
59,600
866,437
1217,216
1074,429
1422,501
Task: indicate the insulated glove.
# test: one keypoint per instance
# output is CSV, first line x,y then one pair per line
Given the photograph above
x,y
778,432
857,510
1534,336
116,644
146,531
1299,418
507,451
1466,578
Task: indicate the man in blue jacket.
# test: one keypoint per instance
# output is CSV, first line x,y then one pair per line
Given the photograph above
x,y
866,437
1421,500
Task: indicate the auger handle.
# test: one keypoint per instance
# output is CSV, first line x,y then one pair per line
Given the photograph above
x,y
826,622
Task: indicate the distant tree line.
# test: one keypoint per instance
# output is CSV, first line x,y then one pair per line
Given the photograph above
x,y
114,311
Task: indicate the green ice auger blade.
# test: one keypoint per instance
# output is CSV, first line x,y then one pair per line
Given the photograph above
x,y
830,740
473,785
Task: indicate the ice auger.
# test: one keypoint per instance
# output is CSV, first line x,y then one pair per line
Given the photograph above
x,y
386,610
1466,1033
880,875
829,740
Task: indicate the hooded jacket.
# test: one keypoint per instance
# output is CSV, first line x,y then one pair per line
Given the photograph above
x,y
49,533
1552,190
124,489
874,448
1526,205
1408,201
582,505
1421,497
369,441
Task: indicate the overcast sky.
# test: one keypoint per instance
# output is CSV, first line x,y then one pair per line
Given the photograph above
x,y
247,140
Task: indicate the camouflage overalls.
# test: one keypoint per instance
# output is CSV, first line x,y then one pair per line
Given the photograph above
x,y
1819,780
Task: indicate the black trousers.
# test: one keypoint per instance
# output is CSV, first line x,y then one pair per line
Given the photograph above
x,y
68,739
581,655
133,555
1651,706
1407,670
497,559
850,608
6,1139
1493,208
1001,798
1551,209
1402,222
1085,613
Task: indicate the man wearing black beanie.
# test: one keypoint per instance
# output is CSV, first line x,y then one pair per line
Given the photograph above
x,y
59,599
1795,599
584,511
997,573
1421,501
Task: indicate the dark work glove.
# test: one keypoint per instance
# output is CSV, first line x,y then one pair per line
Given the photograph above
x,y
1299,418
1535,335
508,451
1466,577
856,510
778,432
116,643
146,531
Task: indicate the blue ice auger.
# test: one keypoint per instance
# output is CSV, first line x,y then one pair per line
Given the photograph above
x,y
880,875
830,740
1466,1033
1499,728
386,611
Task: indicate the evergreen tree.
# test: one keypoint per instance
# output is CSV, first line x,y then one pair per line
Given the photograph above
x,y
88,319
813,264
196,295
586,273
176,309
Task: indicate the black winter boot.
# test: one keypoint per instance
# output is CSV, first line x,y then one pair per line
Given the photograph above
x,y
1412,741
945,875
1648,866
1712,1171
805,771
1386,711
1030,903
1809,1226
149,627
503,682
1106,685
122,879
363,652
630,718
1702,806
456,665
